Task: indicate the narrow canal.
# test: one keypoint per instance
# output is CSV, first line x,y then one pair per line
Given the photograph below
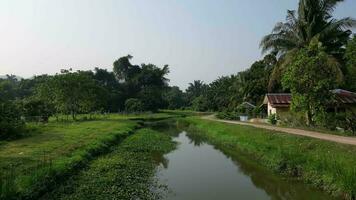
x,y
198,170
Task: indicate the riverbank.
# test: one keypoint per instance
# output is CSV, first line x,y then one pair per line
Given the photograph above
x,y
125,173
55,151
326,165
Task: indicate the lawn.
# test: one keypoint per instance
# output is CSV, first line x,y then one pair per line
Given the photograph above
x,y
125,173
327,165
53,151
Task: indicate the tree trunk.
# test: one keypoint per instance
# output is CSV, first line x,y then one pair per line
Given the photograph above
x,y
73,115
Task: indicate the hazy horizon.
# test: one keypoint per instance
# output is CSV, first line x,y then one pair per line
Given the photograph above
x,y
199,40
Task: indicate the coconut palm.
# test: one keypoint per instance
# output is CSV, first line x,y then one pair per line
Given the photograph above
x,y
312,21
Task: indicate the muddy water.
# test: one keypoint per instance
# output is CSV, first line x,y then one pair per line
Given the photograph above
x,y
197,170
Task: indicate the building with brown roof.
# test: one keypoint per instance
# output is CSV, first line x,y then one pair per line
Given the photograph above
x,y
279,103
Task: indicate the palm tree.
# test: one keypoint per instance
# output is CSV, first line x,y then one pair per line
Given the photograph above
x,y
312,21
196,89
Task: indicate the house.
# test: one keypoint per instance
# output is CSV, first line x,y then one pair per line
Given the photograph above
x,y
279,103
245,109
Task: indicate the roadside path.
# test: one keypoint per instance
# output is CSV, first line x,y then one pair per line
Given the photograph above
x,y
294,131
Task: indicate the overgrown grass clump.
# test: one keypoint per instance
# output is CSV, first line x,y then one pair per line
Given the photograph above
x,y
126,173
55,151
327,165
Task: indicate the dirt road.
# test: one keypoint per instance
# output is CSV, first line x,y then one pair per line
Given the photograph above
x,y
294,131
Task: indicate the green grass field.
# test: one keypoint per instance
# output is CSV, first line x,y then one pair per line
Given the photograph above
x,y
329,166
53,151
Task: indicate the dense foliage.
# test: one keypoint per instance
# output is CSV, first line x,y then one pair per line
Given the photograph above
x,y
310,77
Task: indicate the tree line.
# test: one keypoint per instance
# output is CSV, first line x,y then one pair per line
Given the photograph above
x,y
128,87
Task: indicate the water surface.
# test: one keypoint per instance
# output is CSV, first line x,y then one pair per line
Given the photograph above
x,y
197,170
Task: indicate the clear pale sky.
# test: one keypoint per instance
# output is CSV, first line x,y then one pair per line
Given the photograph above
x,y
199,39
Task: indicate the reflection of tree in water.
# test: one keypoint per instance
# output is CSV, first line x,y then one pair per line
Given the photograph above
x,y
160,159
170,127
196,139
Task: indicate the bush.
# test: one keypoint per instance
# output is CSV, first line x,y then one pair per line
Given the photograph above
x,y
37,109
350,120
133,105
272,119
228,115
11,124
293,119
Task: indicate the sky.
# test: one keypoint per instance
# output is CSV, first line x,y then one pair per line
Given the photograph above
x,y
198,39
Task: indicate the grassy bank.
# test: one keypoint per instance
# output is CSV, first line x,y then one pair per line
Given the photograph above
x,y
54,151
125,173
329,166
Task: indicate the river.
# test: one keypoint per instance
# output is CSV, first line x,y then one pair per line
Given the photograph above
x,y
198,170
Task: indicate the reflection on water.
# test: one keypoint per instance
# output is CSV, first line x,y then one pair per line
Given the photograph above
x,y
197,170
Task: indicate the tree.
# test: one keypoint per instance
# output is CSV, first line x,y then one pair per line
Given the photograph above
x,y
350,56
253,81
200,103
11,124
146,82
224,93
133,105
313,20
311,75
174,98
115,95
124,70
195,89
73,93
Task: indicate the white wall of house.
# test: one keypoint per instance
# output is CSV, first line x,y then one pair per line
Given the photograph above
x,y
271,110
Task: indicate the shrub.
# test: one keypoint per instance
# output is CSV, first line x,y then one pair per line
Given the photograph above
x,y
272,119
133,105
350,120
293,119
228,115
11,124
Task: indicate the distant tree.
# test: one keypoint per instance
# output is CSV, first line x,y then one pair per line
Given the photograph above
x,y
200,103
124,70
350,56
224,93
73,93
115,96
195,89
8,89
254,81
311,75
133,105
174,98
35,108
11,124
146,82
